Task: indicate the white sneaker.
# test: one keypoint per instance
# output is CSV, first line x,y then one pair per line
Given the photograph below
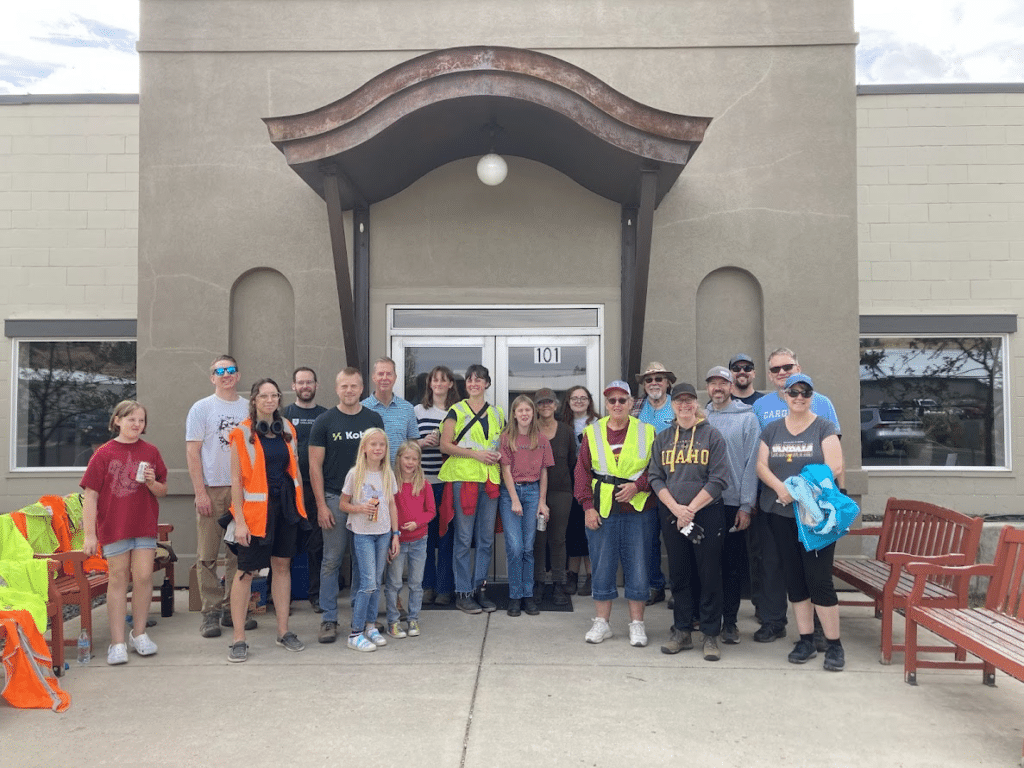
x,y
599,632
117,654
142,645
637,634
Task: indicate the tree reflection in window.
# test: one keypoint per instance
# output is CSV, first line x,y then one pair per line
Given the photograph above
x,y
66,392
932,401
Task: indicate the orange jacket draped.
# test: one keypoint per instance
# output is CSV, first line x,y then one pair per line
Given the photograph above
x,y
254,476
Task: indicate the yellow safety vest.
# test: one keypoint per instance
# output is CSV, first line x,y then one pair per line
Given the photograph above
x,y
459,469
627,466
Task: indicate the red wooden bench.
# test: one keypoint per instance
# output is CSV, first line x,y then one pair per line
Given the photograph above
x,y
995,633
81,588
911,531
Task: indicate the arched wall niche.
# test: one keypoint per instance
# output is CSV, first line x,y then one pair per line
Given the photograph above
x,y
730,320
262,327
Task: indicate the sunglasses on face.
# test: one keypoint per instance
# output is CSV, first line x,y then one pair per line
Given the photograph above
x,y
229,370
805,393
783,368
654,379
742,369
617,400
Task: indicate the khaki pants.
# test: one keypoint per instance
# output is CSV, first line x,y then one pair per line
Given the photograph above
x,y
210,538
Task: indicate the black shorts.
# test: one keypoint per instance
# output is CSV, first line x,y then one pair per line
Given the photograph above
x,y
284,539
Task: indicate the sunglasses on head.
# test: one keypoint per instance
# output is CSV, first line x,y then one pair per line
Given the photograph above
x,y
794,392
653,379
742,369
229,370
784,368
617,400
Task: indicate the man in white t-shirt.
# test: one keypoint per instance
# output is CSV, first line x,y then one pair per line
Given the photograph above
x,y
208,453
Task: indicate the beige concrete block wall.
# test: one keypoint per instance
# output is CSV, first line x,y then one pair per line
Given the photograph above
x,y
941,218
68,236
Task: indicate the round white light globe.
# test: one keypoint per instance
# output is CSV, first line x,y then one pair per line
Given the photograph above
x,y
492,169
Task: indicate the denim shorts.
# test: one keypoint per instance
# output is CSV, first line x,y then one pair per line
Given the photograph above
x,y
622,540
115,548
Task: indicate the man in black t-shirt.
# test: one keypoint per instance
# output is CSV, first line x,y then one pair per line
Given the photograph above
x,y
302,413
333,447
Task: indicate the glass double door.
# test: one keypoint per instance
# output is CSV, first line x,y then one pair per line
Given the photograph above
x,y
518,364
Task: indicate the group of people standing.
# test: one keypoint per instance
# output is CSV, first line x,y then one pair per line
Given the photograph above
x,y
418,489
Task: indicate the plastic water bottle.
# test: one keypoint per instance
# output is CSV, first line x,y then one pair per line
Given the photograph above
x,y
83,648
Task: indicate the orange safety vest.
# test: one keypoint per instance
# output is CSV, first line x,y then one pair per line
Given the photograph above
x,y
29,668
254,476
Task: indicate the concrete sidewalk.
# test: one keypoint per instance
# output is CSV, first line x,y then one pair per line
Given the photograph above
x,y
481,691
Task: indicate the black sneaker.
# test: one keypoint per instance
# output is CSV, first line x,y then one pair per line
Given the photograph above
x,y
530,606
561,597
571,582
820,643
485,603
465,603
443,598
731,635
656,596
586,589
514,607
769,633
803,651
835,658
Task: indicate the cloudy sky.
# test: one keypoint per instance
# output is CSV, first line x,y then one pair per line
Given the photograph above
x,y
88,46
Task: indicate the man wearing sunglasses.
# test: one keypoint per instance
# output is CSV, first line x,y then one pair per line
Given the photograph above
x,y
743,371
782,364
208,455
653,407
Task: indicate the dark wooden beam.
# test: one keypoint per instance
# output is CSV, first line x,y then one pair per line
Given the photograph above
x,y
641,271
627,279
361,274
349,332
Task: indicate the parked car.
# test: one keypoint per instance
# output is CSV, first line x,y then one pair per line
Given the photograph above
x,y
886,431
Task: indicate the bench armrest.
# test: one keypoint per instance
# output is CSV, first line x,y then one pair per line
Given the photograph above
x,y
875,530
75,555
921,572
903,558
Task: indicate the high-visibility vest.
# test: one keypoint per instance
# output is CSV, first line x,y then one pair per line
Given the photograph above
x,y
30,682
254,476
458,469
627,466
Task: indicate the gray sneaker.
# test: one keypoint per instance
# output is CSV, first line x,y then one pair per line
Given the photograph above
x,y
290,642
730,634
238,652
711,652
210,626
678,640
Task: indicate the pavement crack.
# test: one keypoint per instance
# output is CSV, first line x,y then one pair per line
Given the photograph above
x,y
476,687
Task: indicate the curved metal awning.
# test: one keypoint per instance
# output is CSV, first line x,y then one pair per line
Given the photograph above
x,y
434,109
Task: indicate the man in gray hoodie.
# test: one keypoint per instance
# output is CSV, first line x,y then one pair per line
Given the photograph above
x,y
739,427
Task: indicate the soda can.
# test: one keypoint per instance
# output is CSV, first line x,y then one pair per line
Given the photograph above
x,y
542,522
140,475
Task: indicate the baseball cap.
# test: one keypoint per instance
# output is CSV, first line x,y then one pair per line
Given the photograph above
x,y
719,372
682,388
741,358
799,378
617,384
543,394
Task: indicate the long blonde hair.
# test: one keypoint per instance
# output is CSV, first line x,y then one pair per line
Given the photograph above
x,y
360,469
512,426
418,479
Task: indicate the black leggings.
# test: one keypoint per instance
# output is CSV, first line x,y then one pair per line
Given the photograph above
x,y
808,574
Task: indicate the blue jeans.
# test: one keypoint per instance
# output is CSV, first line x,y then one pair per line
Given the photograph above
x,y
520,532
470,575
439,577
623,538
656,579
416,553
371,556
335,542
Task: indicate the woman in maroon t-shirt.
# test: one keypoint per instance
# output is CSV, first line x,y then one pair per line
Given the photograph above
x,y
122,483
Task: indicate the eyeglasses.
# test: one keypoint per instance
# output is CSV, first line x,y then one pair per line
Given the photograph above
x,y
805,393
743,369
654,379
229,370
580,399
271,396
784,368
617,400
